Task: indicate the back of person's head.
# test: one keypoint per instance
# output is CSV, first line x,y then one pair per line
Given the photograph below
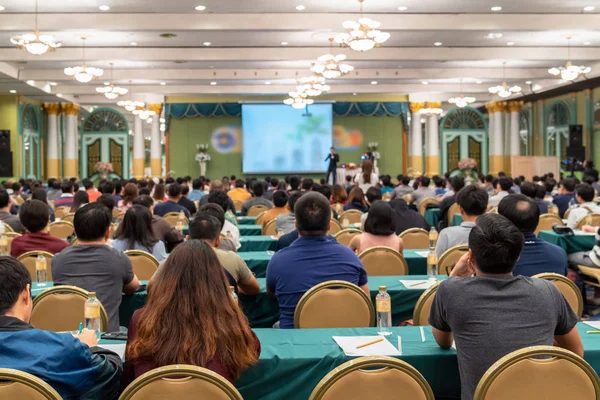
x,y
216,185
438,182
274,182
4,198
307,184
258,189
81,198
356,195
529,189
380,220
56,185
457,183
568,184
215,210
517,181
280,198
108,188
425,181
588,179
144,200
293,199
219,197
373,194
205,226
14,279
107,200
313,214
88,184
386,181
34,215
504,183
540,192
339,194
585,192
325,190
536,179
405,180
185,190
137,227
16,187
180,180
174,190
39,194
197,184
239,183
130,192
118,187
66,187
489,178
348,178
522,211
294,182
92,222
549,185
472,199
495,243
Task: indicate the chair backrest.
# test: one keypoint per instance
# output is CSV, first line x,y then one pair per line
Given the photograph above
x,y
115,212
592,219
259,218
493,210
19,200
426,202
546,222
334,227
69,217
451,257
454,209
566,215
334,304
28,260
182,382
539,372
173,217
423,306
338,207
415,238
256,209
15,384
238,205
387,196
345,235
374,377
144,264
383,261
74,242
60,212
8,228
61,229
569,290
353,216
590,275
270,229
62,308
9,238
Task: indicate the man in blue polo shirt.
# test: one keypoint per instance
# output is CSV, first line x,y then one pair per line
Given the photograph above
x,y
172,205
565,196
538,255
311,259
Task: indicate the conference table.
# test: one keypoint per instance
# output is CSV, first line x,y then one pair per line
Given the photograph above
x,y
571,244
432,216
246,220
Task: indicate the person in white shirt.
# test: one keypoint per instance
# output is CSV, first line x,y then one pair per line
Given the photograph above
x,y
584,194
366,177
502,189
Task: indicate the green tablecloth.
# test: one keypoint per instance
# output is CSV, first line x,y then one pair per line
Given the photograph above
x,y
250,230
571,244
457,220
257,243
432,216
246,220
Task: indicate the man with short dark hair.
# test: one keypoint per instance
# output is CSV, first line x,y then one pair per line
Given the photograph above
x,y
448,199
230,228
72,364
565,196
35,216
55,192
423,191
66,198
271,189
286,223
216,211
531,190
258,188
502,188
584,194
538,255
162,229
172,204
108,201
196,194
313,258
280,199
93,194
494,313
294,183
403,188
239,193
184,201
92,264
5,216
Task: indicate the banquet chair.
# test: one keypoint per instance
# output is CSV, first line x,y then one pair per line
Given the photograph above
x,y
353,216
19,200
334,227
566,215
259,218
60,212
373,377
28,260
182,382
173,217
590,219
415,238
338,208
69,217
493,210
115,212
569,290
238,205
144,264
539,372
270,229
17,384
345,235
120,216
61,229
450,257
9,238
589,275
8,228
454,209
256,210
423,205
423,306
547,221
383,261
387,196
62,308
334,304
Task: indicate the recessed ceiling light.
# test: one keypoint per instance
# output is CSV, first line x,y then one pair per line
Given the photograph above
x,y
587,43
374,83
284,43
2,8
353,94
200,8
437,43
528,82
163,83
30,82
493,35
59,95
12,91
104,7
207,43
479,82
402,8
211,67
589,8
267,82
52,83
425,82
133,43
213,83
300,7
496,8
106,83
510,43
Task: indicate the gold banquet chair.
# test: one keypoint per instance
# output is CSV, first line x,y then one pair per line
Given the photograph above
x,y
589,275
415,238
566,214
338,208
353,216
60,212
62,308
383,261
238,205
144,264
427,202
334,304
423,306
547,221
69,218
539,372
454,209
259,218
590,219
8,228
28,260
256,210
569,290
20,385
182,382
345,236
451,257
334,227
173,217
374,377
9,238
61,229
270,229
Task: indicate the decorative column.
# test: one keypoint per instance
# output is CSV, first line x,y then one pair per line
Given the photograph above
x,y
52,159
155,146
514,108
496,133
432,157
138,148
71,149
415,158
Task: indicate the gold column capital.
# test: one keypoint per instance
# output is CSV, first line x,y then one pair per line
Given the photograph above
x,y
433,104
497,106
157,108
587,91
416,107
69,108
52,108
514,106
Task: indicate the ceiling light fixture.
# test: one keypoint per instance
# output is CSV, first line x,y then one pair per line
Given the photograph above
x,y
12,91
200,8
284,43
30,82
462,100
34,42
510,43
163,83
569,72
52,83
298,100
528,82
496,8
330,66
504,90
267,82
589,8
438,44
402,8
59,95
493,36
587,43
425,82
300,7
374,83
130,105
111,91
143,112
213,83
207,43
312,86
2,8
82,73
104,7
431,109
363,34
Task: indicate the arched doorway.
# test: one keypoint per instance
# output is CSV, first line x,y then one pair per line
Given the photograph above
x,y
557,130
105,137
464,134
31,136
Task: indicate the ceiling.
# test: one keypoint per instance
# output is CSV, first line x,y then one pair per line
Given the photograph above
x,y
246,55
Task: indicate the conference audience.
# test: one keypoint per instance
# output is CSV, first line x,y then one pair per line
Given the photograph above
x,y
286,223
215,210
93,265
163,231
537,255
372,195
196,194
423,191
172,204
366,177
239,193
184,201
356,201
379,230
566,195
311,259
5,216
258,189
502,188
66,198
41,195
136,233
130,192
531,190
230,228
495,313
448,199
54,191
35,217
190,318
407,218
80,199
584,195
403,187
280,199
92,192
472,203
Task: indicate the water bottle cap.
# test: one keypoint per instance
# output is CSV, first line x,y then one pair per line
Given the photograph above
x,y
382,288
92,294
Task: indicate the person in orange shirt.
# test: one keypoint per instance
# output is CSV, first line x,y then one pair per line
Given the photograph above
x,y
280,199
93,194
239,193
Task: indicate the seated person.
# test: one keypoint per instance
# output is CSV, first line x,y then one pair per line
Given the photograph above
x,y
92,264
230,230
206,327
403,187
379,230
136,233
280,199
35,217
584,195
566,195
448,200
531,190
74,366
184,201
502,188
5,216
423,191
312,259
258,189
108,201
80,199
172,204
538,255
239,193
216,211
163,231
540,196
286,223
373,194
356,201
41,195
407,218
495,313
440,186
66,198
472,202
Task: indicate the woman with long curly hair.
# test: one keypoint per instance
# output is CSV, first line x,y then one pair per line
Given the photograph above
x,y
130,192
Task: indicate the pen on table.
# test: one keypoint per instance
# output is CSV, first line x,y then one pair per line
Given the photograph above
x,y
370,343
417,284
80,327
593,332
422,334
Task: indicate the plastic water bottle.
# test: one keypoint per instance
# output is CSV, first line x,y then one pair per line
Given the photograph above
x,y
41,270
432,264
233,295
433,237
345,222
383,304
92,313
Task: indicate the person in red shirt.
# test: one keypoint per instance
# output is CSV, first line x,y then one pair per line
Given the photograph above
x,y
35,217
92,192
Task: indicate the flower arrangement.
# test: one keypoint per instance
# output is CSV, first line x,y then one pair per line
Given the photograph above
x,y
202,156
104,168
372,147
467,163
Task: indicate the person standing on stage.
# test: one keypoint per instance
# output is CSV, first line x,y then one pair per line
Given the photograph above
x,y
333,158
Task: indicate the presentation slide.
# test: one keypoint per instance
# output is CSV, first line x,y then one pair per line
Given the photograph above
x,y
279,139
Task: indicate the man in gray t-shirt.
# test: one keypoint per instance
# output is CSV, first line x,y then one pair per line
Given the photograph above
x,y
495,313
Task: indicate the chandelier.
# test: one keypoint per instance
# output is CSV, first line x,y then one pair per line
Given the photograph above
x,y
82,73
312,85
143,112
298,100
363,34
504,90
34,42
569,72
463,100
130,105
329,66
431,108
110,91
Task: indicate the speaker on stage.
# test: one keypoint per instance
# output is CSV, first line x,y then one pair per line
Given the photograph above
x,y
575,136
4,141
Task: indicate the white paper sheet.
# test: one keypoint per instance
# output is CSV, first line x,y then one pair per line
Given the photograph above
x,y
593,324
417,284
117,348
349,345
582,233
422,253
